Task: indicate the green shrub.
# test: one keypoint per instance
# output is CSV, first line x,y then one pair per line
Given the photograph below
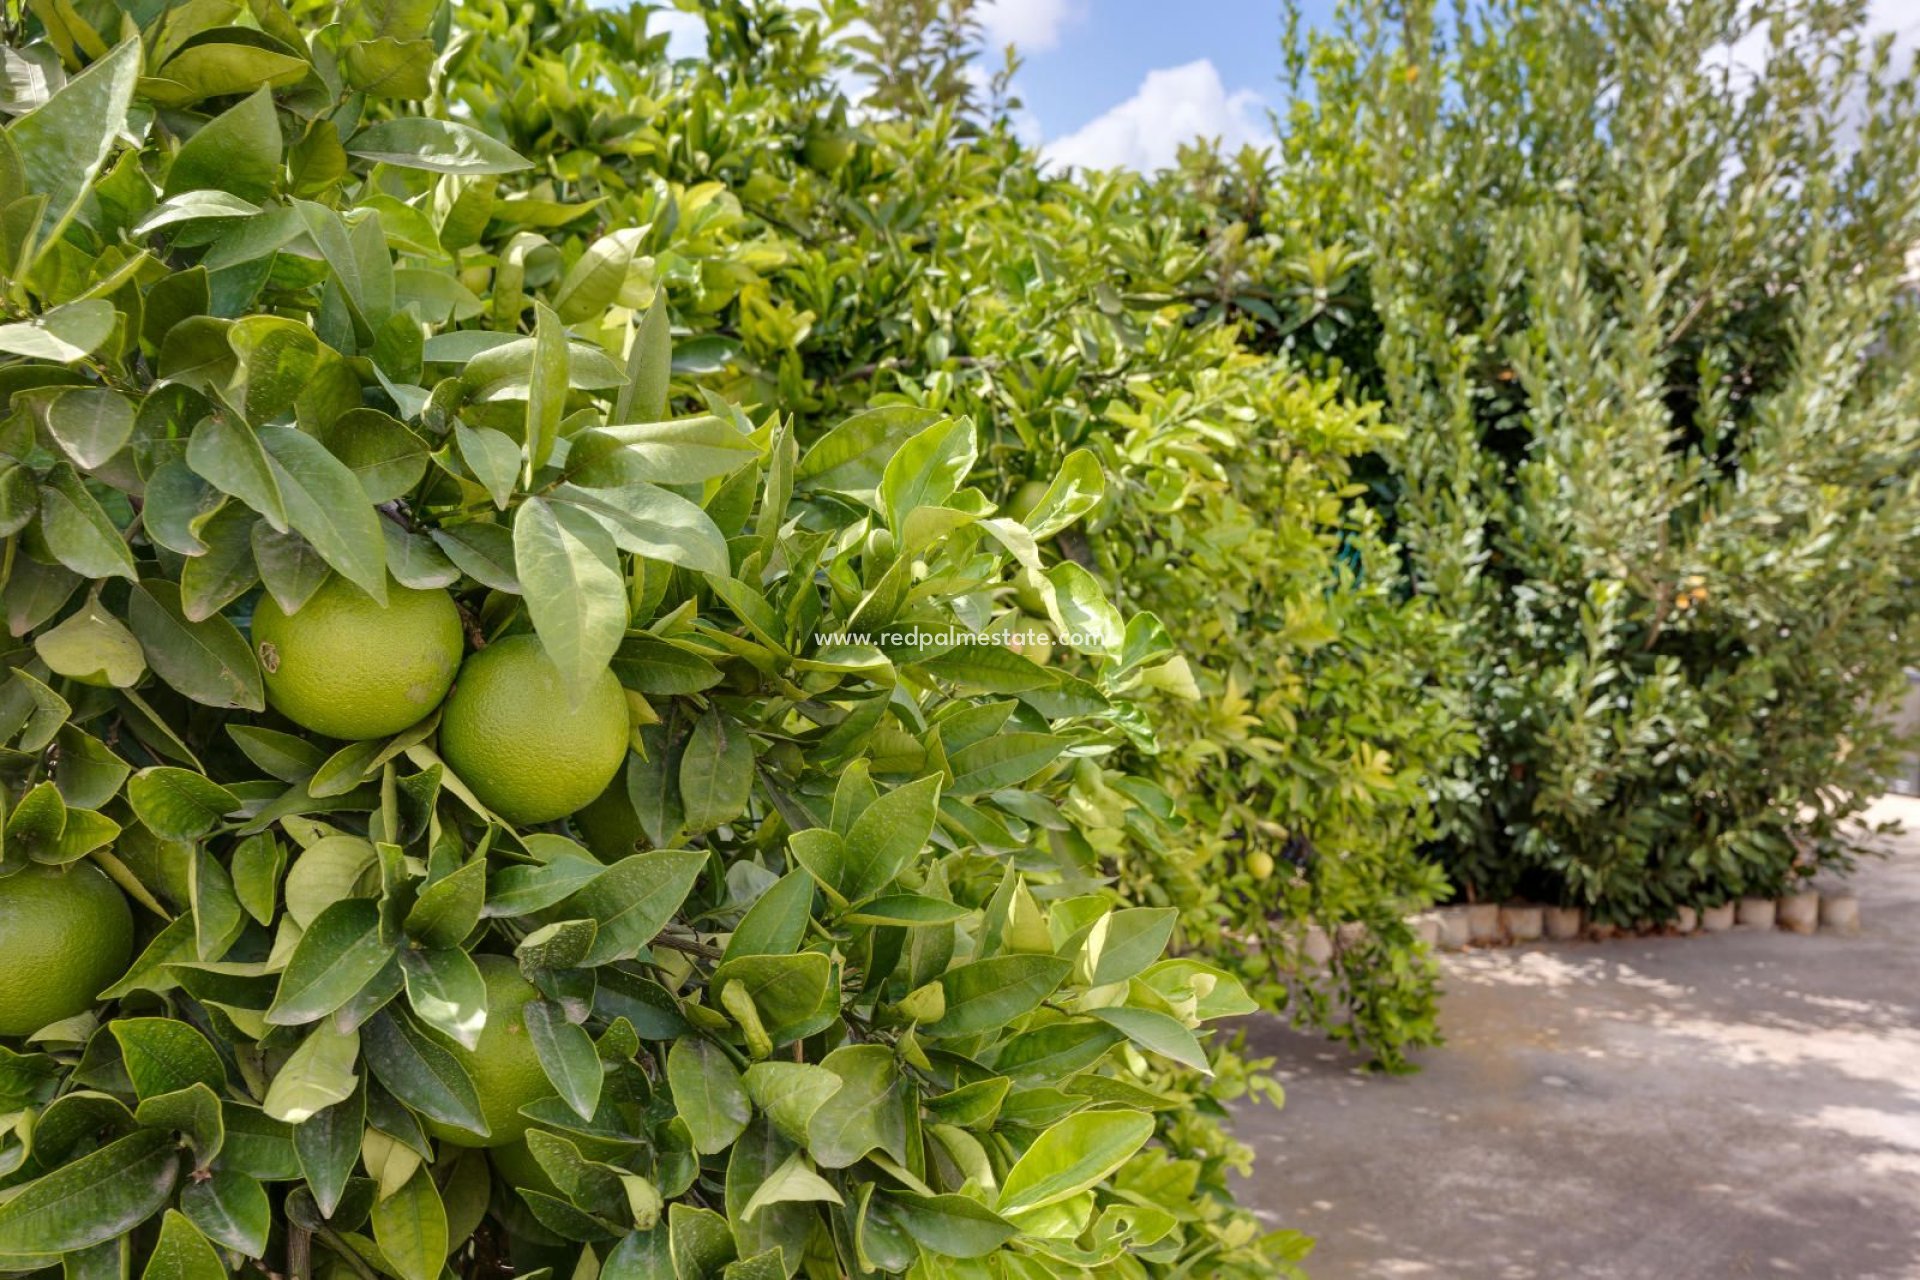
x,y
802,990
926,258
1636,271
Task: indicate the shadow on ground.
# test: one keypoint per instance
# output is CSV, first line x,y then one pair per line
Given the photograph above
x,y
1746,1104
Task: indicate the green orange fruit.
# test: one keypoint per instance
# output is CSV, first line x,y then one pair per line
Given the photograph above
x,y
513,732
517,1167
1026,498
505,1069
609,826
348,667
65,934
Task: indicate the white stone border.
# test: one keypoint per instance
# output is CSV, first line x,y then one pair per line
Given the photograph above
x,y
1804,911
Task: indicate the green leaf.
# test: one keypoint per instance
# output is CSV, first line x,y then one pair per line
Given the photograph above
x,y
575,593
492,457
1075,492
1004,760
716,773
327,505
776,924
222,62
162,1055
523,890
328,1146
178,804
653,522
95,1198
182,1253
793,1182
567,1055
446,991
448,909
229,456
595,280
1158,1033
422,1074
790,1092
679,451
93,647
340,952
786,990
63,142
649,366
440,146
1122,943
991,993
209,660
954,1226
64,334
651,666
237,152
702,1242
78,532
484,552
1072,1156
853,456
217,917
195,1113
546,388
289,567
1081,608
929,468
276,360
1055,1051
90,424
386,456
885,837
410,1227
230,1208
707,1093
907,909
868,1112
631,900
1215,992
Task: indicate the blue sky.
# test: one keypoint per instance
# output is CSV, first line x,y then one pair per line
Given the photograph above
x,y
1107,83
1125,81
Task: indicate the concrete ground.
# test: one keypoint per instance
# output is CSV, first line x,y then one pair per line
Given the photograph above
x,y
1740,1104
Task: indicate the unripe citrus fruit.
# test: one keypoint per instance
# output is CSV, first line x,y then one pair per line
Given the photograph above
x,y
609,826
1026,498
512,733
1260,864
1032,638
517,1167
65,933
1028,592
505,1069
345,667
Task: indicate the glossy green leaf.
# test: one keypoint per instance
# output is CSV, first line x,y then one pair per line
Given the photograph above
x,y
1071,1156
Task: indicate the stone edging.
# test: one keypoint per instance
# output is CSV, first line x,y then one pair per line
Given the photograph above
x,y
1486,924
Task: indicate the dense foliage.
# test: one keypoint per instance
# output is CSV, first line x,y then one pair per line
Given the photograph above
x,y
910,250
1632,293
295,311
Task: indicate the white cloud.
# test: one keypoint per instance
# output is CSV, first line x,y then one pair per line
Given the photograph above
x,y
1173,105
686,32
1034,25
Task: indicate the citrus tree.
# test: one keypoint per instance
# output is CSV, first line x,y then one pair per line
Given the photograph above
x,y
914,251
460,813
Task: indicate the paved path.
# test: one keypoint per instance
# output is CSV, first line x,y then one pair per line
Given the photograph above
x,y
1746,1104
